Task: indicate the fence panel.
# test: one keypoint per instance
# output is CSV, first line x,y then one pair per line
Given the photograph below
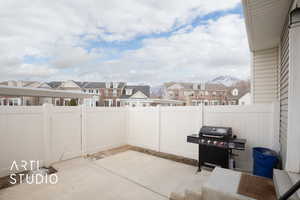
x,y
253,122
21,136
65,132
144,127
176,123
104,128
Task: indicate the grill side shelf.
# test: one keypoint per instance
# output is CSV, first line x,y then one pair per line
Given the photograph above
x,y
193,139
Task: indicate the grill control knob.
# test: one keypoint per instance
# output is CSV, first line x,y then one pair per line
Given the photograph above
x,y
202,141
222,143
215,142
208,141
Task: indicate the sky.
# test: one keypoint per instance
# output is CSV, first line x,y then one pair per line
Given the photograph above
x,y
137,41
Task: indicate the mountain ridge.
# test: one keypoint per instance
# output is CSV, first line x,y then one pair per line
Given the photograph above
x,y
226,80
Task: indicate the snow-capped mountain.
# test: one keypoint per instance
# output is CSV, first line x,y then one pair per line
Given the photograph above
x,y
225,80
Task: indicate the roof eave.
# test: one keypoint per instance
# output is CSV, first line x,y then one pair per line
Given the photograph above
x,y
247,24
264,22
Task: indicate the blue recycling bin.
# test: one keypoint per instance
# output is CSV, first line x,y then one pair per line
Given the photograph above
x,y
264,161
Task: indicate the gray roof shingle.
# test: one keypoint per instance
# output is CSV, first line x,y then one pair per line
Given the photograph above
x,y
54,84
145,89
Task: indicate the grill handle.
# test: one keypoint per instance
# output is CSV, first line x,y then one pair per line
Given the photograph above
x,y
212,136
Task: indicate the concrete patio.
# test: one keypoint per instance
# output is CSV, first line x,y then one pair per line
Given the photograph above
x,y
126,175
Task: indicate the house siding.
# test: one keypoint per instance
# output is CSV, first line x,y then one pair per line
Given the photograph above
x,y
284,89
264,75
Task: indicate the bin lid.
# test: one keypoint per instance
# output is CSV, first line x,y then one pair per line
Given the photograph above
x,y
265,151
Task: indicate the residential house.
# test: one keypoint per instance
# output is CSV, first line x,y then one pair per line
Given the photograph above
x,y
110,93
135,95
10,100
245,99
16,95
93,88
195,93
235,93
69,85
24,100
106,93
37,100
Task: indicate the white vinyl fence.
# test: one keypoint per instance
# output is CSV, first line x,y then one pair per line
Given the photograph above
x,y
165,129
256,123
50,134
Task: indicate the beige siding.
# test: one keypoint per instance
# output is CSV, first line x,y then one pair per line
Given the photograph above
x,y
264,73
283,93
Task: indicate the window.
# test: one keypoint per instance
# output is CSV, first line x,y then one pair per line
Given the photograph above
x,y
115,92
107,85
188,93
118,103
106,92
195,86
235,92
15,102
97,91
108,103
128,91
171,93
115,85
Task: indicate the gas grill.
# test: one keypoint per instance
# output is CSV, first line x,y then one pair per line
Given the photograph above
x,y
216,145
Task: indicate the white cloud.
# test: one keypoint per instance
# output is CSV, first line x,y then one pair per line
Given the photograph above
x,y
57,29
218,48
27,70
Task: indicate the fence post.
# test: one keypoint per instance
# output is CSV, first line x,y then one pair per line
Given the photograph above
x,y
202,114
127,124
47,108
83,133
159,127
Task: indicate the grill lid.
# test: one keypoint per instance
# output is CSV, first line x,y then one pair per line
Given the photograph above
x,y
215,131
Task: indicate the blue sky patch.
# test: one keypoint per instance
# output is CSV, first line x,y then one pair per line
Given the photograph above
x,y
31,59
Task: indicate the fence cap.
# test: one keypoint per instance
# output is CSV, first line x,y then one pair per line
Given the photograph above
x,y
41,92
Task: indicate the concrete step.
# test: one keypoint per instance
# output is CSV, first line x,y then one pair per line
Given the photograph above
x,y
294,178
191,187
282,182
